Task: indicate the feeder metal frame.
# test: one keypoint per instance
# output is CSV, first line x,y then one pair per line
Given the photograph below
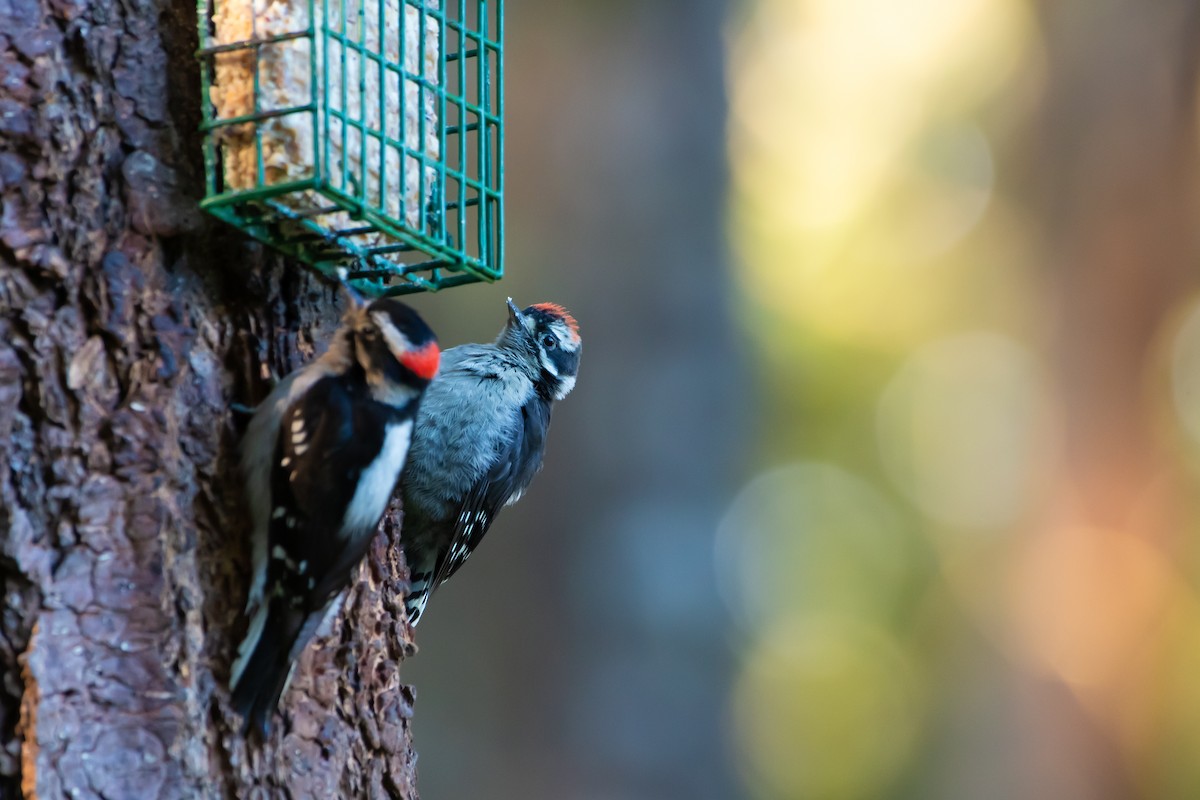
x,y
460,238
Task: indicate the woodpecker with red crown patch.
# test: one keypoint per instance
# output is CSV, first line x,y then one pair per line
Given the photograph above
x,y
321,458
479,440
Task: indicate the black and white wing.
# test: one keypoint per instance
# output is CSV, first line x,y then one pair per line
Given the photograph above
x,y
325,441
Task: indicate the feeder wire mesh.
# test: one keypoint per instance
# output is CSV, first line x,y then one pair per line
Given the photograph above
x,y
359,134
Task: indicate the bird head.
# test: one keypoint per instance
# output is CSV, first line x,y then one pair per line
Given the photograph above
x,y
548,335
394,346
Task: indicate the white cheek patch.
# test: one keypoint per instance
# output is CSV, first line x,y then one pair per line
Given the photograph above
x,y
548,363
565,385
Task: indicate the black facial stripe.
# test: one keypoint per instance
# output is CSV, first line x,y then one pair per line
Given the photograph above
x,y
566,364
407,321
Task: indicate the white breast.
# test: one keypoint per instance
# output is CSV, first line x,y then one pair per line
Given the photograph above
x,y
377,481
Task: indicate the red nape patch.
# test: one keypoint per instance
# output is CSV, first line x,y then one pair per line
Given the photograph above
x,y
555,310
424,362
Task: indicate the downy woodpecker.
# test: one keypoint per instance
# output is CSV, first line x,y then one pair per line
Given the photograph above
x,y
479,439
321,458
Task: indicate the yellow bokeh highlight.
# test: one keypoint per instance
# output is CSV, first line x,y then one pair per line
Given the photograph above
x,y
854,159
1176,701
964,430
831,92
826,709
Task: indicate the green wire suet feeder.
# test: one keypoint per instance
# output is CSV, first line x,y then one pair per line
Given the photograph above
x,y
364,135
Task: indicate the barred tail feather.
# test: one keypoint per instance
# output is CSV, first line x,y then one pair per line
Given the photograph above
x,y
420,586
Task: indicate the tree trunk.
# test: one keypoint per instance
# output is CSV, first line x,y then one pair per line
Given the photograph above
x,y
128,323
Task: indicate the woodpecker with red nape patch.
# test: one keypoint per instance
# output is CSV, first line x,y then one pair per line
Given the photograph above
x,y
321,458
479,439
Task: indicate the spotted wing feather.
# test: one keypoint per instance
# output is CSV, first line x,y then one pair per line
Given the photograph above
x,y
319,462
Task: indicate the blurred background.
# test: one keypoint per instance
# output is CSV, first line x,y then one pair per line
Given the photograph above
x,y
879,478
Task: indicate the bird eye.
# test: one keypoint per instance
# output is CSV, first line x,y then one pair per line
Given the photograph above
x,y
549,342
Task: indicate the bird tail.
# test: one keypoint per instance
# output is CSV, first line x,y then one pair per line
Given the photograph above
x,y
264,663
420,586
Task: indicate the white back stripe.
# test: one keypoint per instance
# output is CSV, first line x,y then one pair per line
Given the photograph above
x,y
377,481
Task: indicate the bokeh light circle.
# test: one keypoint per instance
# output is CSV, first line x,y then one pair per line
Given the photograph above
x,y
809,537
828,708
964,430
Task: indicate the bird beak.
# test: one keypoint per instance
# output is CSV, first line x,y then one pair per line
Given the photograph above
x,y
353,295
514,313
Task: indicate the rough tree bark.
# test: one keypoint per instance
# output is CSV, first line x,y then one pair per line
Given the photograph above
x,y
127,324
